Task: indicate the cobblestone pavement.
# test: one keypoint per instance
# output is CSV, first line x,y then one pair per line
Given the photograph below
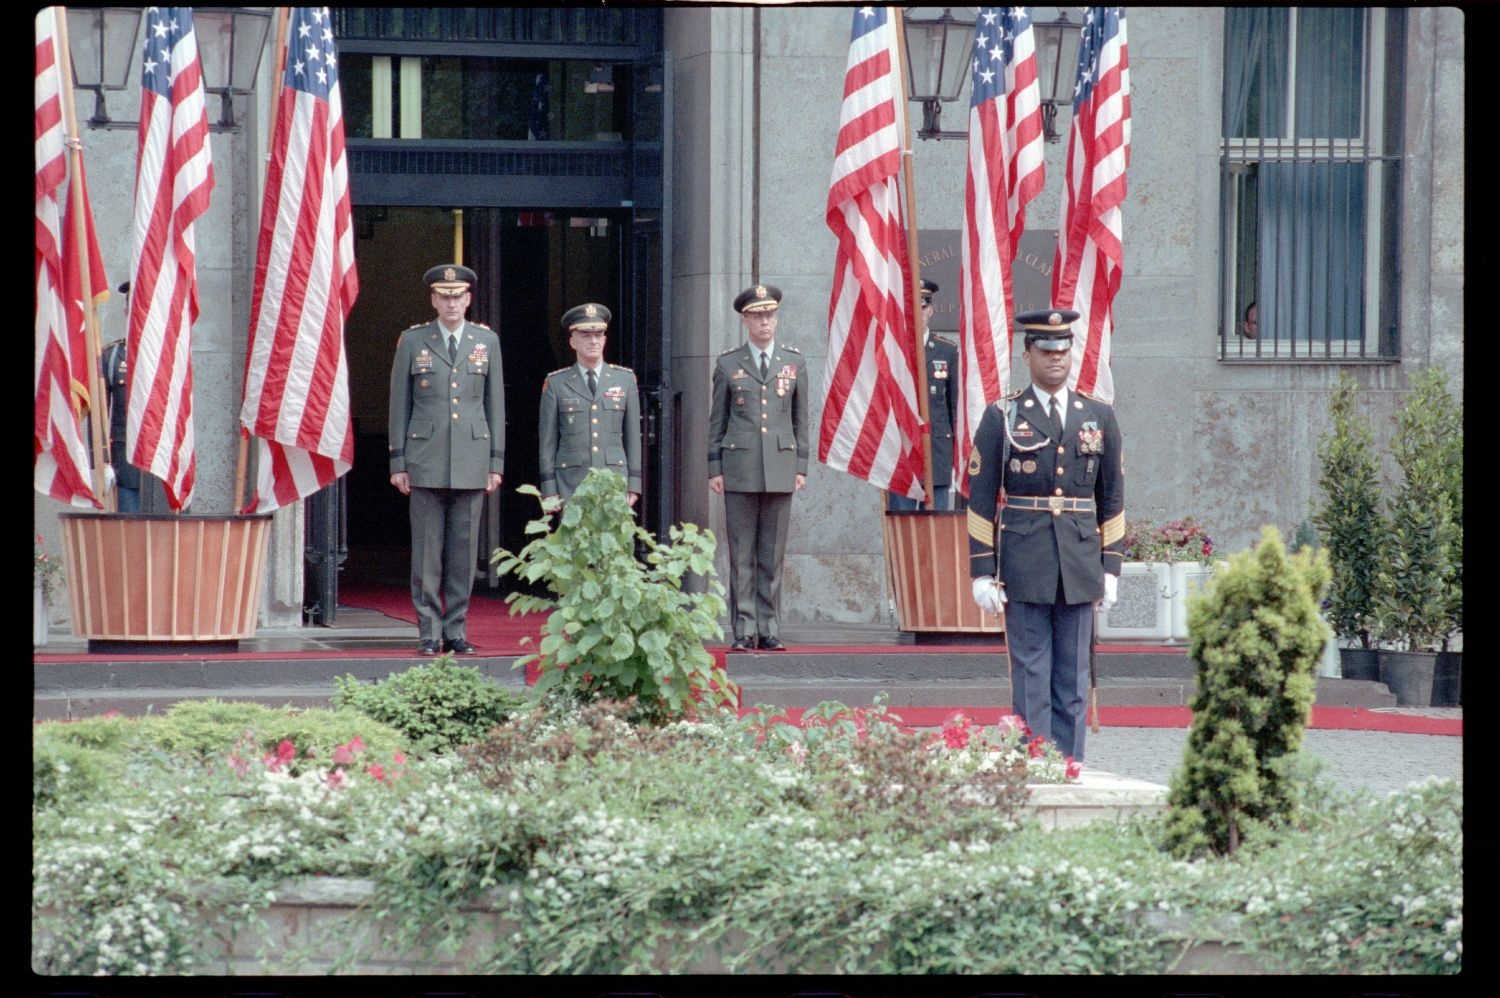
x,y
1377,761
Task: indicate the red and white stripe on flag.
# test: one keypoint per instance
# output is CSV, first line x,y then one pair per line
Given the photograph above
x,y
60,467
296,371
871,424
174,175
1005,171
1090,247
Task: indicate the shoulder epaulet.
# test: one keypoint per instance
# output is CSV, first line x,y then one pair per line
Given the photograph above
x,y
621,367
480,325
560,370
789,348
945,340
731,350
1093,398
416,325
1013,395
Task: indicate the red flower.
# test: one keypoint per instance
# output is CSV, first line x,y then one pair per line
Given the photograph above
x,y
334,778
376,770
1074,768
110,713
1035,747
285,753
956,738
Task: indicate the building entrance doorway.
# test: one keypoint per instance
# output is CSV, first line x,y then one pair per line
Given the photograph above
x,y
533,265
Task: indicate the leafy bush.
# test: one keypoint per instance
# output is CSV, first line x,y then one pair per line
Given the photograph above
x,y
1257,638
610,848
437,706
1419,587
1349,518
205,729
1176,540
620,629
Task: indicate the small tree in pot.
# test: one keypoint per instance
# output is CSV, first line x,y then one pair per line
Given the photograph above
x,y
1418,590
1351,526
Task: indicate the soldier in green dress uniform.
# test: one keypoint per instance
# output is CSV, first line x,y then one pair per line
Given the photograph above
x,y
447,450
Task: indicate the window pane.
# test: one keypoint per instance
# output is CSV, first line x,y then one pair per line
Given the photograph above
x,y
1311,250
1330,68
354,88
1255,72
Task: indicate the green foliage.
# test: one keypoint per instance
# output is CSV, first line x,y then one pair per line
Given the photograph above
x,y
1419,586
1174,541
602,847
1257,638
202,729
1349,519
620,628
1305,535
437,706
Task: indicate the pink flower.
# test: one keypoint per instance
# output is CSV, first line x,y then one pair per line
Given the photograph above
x,y
956,738
1036,747
1012,724
334,778
110,713
376,770
1074,768
239,765
285,753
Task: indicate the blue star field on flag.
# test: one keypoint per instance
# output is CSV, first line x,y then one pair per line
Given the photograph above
x,y
311,62
994,47
165,27
1100,24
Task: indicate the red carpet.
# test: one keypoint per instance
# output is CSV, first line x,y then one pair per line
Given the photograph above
x,y
490,626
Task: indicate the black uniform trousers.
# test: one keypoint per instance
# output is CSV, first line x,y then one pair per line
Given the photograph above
x,y
1049,669
444,549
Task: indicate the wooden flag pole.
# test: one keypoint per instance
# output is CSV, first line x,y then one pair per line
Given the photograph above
x,y
98,409
918,332
244,455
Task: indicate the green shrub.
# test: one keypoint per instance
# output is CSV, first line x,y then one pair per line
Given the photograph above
x,y
64,771
1257,638
1349,518
210,729
437,706
621,629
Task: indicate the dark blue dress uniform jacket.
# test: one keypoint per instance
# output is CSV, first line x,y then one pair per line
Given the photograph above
x,y
1035,548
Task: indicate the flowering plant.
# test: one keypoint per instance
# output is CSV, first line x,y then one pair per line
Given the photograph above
x,y
1176,540
1009,743
44,571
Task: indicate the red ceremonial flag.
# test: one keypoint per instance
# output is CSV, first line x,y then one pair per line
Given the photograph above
x,y
1090,247
80,357
60,466
1004,173
871,423
174,175
296,372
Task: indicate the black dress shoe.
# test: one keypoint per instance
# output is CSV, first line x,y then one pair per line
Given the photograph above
x,y
429,648
742,644
772,644
459,646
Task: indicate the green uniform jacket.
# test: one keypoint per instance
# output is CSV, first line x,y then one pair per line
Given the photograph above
x,y
1037,547
579,431
447,421
757,431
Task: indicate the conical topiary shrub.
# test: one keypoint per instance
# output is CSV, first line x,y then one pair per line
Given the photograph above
x,y
1257,638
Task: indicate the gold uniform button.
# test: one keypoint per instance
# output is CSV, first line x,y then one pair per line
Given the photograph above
x,y
596,437
765,415
1057,491
596,448
455,415
1059,469
595,420
1062,450
455,384
762,429
594,407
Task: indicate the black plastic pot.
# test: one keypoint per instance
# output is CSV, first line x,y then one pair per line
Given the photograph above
x,y
1448,679
1360,663
1409,676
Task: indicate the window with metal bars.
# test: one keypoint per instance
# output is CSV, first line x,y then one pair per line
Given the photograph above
x,y
1310,182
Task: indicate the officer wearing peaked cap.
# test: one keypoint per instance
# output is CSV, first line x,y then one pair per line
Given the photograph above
x,y
1047,527
942,371
113,367
757,459
591,412
447,450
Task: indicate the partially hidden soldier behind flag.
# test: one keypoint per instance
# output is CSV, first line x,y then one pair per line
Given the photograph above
x,y
113,368
591,412
1047,516
942,368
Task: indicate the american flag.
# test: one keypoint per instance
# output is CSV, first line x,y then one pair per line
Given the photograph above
x,y
1004,173
60,467
173,178
871,423
1090,248
296,370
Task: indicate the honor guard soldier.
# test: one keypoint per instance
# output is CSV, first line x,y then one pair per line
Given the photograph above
x,y
591,412
1047,515
757,458
447,449
113,367
942,370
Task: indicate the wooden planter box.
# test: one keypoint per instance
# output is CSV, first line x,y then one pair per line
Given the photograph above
x,y
928,555
133,577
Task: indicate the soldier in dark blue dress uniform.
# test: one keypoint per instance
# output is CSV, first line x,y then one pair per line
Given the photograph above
x,y
1047,516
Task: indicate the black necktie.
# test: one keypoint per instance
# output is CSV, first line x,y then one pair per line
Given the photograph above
x,y
765,368
1056,413
453,348
593,384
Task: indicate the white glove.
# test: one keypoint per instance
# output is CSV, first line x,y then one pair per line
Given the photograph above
x,y
988,595
1111,592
